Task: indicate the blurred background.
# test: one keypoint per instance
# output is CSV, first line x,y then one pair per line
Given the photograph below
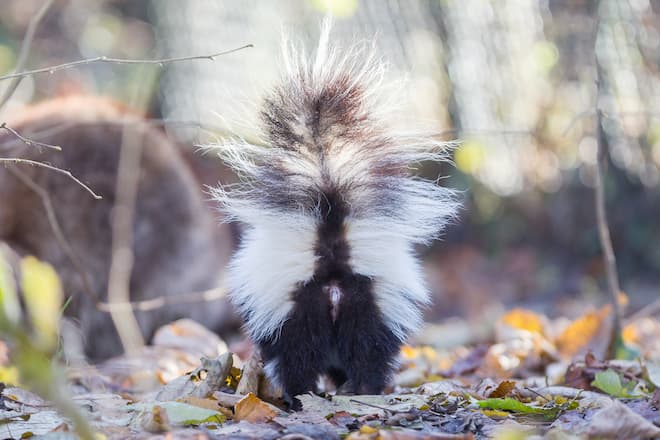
x,y
513,80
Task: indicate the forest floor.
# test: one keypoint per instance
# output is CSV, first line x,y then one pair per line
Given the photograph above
x,y
524,376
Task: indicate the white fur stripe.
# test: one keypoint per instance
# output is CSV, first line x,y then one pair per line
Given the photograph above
x,y
275,256
381,253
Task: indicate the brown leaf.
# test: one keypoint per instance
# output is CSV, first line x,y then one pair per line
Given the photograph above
x,y
655,399
503,389
578,377
254,410
253,368
200,402
155,420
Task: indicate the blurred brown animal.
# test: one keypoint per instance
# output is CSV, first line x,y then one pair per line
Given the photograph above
x,y
177,244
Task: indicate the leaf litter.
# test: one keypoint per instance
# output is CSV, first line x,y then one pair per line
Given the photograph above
x,y
534,378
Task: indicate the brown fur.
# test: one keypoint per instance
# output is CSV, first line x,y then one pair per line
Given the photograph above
x,y
178,247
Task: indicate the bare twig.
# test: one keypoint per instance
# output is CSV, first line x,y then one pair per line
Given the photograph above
x,y
104,59
609,258
383,408
25,51
26,141
52,168
577,118
162,301
57,230
155,122
482,131
646,311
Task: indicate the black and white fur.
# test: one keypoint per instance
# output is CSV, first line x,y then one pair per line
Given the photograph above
x,y
326,277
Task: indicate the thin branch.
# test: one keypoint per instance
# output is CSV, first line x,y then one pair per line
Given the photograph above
x,y
52,168
482,131
57,229
104,59
154,122
577,118
25,50
26,141
162,301
644,312
609,258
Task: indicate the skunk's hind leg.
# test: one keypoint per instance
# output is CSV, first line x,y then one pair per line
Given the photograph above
x,y
296,358
366,347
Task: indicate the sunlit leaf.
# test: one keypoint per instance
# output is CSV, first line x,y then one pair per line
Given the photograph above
x,y
524,320
252,409
9,375
590,332
469,157
180,413
42,293
513,405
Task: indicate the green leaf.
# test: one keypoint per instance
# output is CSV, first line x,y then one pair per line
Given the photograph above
x,y
180,413
513,405
609,382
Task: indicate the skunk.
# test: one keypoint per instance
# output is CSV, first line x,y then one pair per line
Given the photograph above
x,y
326,278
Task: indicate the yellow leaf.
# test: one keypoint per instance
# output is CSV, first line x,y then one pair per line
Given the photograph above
x,y
366,429
524,320
9,375
408,352
630,334
42,293
589,332
252,409
469,157
495,413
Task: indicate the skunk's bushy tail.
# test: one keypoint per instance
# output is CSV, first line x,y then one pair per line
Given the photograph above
x,y
327,138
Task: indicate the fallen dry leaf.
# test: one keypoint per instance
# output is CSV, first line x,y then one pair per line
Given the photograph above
x,y
503,389
469,363
155,420
201,402
619,421
252,409
252,370
525,320
590,332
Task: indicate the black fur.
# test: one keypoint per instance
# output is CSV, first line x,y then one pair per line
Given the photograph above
x,y
357,349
